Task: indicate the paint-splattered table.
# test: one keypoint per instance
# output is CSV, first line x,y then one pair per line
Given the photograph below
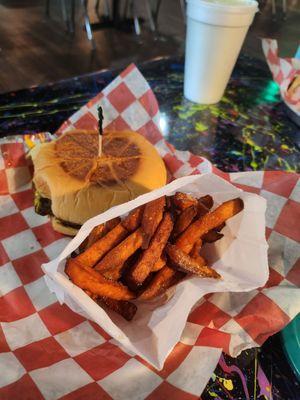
x,y
248,130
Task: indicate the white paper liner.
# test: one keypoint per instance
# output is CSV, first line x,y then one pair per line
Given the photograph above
x,y
240,257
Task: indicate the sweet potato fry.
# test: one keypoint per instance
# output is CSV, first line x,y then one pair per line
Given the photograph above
x,y
201,210
161,262
111,224
212,236
119,273
134,253
184,220
153,214
98,232
207,201
95,235
169,203
196,248
220,227
195,253
143,267
81,247
133,219
185,263
163,279
183,201
97,250
115,258
113,274
126,309
209,221
92,281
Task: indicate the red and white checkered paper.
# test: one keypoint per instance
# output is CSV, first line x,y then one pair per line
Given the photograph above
x,y
49,352
284,70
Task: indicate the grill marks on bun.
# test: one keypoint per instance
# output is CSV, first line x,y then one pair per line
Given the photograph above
x,y
78,157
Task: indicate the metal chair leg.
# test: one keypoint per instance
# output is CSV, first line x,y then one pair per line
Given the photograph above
x,y
107,7
65,13
284,8
87,23
137,26
136,21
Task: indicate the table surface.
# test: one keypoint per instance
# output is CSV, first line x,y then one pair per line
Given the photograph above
x,y
248,130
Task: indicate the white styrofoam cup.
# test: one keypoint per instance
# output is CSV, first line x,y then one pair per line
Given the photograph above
x,y
215,33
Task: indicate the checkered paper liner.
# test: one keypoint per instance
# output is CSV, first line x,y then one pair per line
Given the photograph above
x,y
284,70
50,352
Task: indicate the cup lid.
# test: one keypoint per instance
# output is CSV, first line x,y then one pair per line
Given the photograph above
x,y
231,6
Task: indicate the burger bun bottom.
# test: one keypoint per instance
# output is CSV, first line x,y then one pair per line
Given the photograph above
x,y
59,227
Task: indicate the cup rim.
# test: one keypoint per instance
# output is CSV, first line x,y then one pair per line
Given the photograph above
x,y
238,8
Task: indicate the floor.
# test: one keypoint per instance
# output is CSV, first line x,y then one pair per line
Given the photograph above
x,y
35,49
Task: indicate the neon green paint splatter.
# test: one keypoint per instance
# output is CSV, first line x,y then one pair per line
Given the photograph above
x,y
284,147
227,383
266,161
287,167
236,153
200,127
258,142
212,394
185,112
255,373
247,132
253,163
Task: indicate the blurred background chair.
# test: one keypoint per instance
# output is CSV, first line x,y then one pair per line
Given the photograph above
x,y
157,9
46,53
284,8
131,9
87,22
112,11
69,10
107,15
106,9
152,7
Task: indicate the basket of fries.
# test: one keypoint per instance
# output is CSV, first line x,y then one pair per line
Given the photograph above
x,y
139,268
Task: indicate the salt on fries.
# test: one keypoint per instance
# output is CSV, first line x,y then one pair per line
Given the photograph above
x,y
150,250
